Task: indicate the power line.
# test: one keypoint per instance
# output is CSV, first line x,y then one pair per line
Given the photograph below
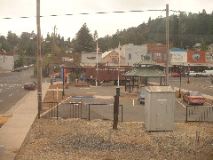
x,y
87,13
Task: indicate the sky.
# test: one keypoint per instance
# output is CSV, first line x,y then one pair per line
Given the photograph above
x,y
106,24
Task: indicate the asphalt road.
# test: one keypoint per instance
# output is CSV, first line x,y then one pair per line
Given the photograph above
x,y
11,88
201,84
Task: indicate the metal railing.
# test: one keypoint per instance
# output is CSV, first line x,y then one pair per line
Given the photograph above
x,y
199,113
82,110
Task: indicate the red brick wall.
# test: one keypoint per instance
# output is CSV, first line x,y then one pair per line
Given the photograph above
x,y
196,56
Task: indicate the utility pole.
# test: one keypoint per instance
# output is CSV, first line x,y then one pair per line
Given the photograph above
x,y
39,68
167,43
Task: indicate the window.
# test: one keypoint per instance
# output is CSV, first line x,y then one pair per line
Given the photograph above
x,y
130,56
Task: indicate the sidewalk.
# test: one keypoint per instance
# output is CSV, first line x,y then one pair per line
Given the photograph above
x,y
13,133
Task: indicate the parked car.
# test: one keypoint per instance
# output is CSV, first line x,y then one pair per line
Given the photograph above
x,y
194,97
208,72
141,97
192,73
175,74
30,85
204,73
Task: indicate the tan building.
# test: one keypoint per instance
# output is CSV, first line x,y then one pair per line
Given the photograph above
x,y
111,58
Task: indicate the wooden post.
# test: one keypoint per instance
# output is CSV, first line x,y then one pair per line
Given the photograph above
x,y
116,108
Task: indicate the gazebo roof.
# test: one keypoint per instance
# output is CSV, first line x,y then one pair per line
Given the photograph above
x,y
149,71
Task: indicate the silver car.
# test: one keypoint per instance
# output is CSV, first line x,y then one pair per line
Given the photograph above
x,y
141,97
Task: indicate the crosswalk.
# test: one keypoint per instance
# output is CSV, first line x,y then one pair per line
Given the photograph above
x,y
9,86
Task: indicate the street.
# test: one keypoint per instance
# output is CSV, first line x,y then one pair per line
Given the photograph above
x,y
201,84
11,88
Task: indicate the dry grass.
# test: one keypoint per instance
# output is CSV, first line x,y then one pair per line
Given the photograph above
x,y
77,139
3,120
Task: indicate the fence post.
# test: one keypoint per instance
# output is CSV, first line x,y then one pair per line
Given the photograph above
x,y
116,108
81,111
186,113
89,112
57,110
122,112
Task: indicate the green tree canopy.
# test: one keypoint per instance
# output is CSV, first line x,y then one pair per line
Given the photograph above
x,y
84,40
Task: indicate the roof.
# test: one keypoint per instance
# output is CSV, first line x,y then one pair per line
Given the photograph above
x,y
105,53
145,72
146,62
160,89
177,50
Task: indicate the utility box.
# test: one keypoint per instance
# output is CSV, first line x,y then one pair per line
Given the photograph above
x,y
159,108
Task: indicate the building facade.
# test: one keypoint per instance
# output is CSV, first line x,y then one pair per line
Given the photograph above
x,y
90,59
133,53
6,61
157,51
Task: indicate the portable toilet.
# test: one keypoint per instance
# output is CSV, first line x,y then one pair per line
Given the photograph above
x,y
159,108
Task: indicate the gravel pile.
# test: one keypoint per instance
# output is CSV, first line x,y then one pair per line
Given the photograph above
x,y
77,139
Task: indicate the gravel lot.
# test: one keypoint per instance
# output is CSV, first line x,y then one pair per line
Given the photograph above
x,y
75,139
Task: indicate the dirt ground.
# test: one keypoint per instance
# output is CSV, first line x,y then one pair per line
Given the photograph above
x,y
76,139
3,120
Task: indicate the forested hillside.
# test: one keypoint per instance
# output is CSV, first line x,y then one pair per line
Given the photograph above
x,y
185,31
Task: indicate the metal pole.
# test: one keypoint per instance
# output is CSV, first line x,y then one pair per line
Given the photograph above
x,y
167,43
39,68
96,83
119,54
63,80
188,74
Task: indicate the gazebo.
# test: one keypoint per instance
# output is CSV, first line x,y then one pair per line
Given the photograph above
x,y
141,73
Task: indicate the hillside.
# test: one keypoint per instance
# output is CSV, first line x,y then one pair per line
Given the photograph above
x,y
185,31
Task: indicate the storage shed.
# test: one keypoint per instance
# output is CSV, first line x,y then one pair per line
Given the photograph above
x,y
159,108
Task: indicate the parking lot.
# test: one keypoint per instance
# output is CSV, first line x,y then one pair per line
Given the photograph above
x,y
132,110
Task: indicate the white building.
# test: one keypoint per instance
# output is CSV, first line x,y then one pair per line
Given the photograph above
x,y
133,53
6,62
90,59
178,56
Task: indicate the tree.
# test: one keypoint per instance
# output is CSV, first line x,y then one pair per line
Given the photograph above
x,y
4,45
27,44
84,40
12,40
